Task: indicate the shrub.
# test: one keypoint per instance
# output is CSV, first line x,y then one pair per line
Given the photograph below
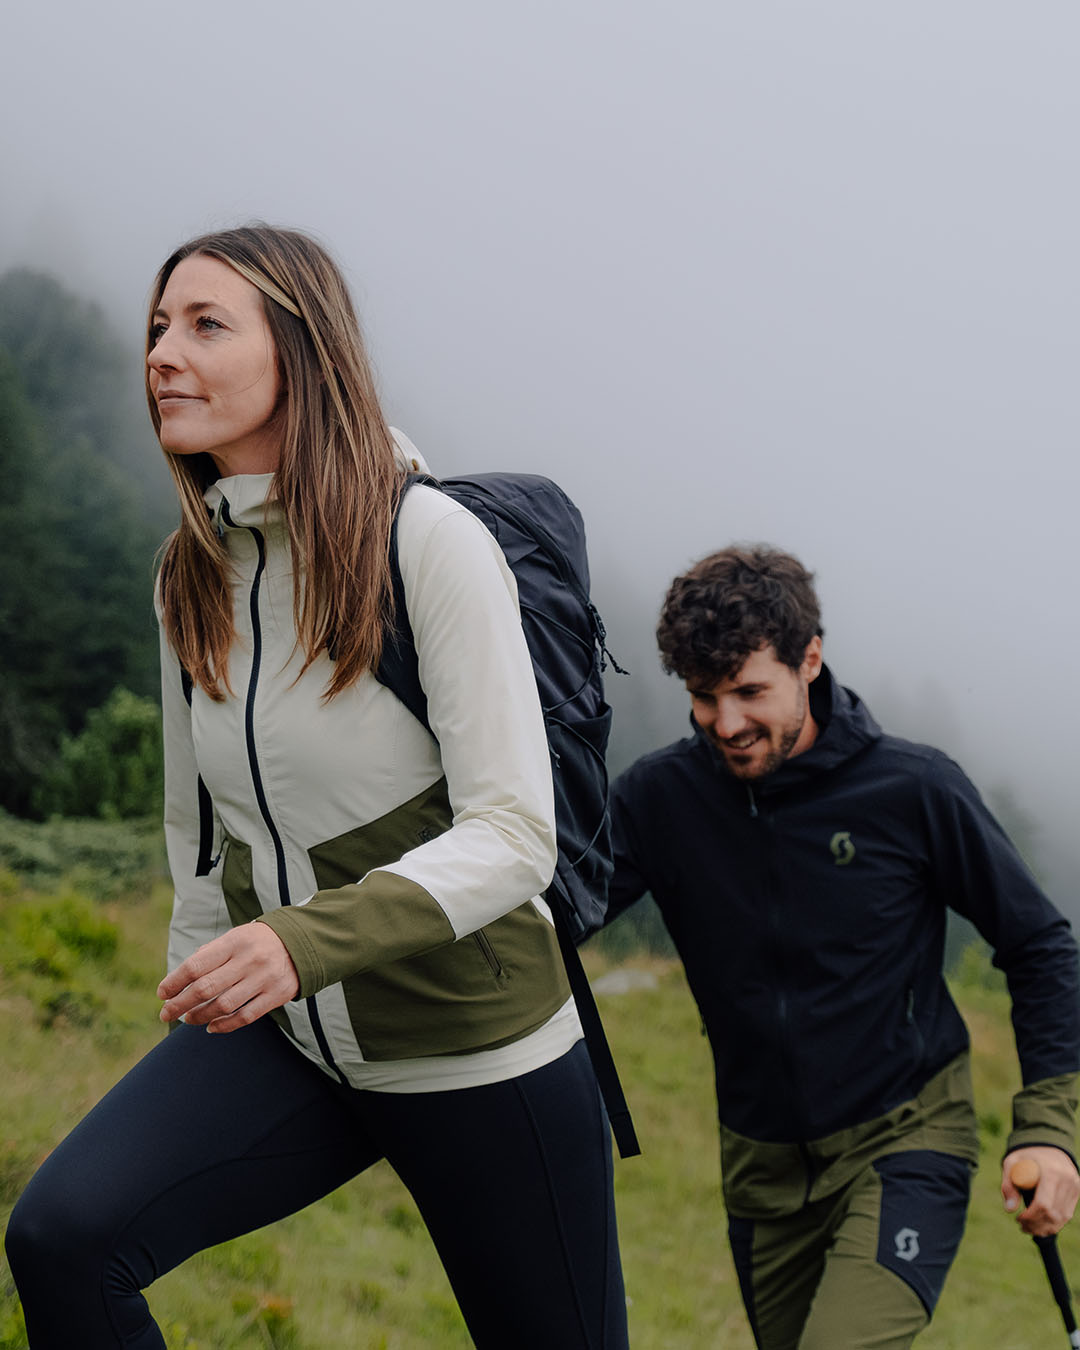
x,y
106,859
973,970
52,936
48,947
113,768
639,929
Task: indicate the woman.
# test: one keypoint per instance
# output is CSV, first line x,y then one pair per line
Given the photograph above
x,y
355,921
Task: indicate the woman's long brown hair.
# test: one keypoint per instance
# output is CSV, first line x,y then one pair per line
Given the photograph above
x,y
337,480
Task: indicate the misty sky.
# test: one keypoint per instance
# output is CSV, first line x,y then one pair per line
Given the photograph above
x,y
785,271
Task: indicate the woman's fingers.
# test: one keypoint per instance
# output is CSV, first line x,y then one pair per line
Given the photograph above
x,y
232,981
245,1015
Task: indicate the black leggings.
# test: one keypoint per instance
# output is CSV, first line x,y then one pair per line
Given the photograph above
x,y
209,1137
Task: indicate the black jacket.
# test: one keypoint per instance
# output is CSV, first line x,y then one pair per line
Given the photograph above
x,y
809,912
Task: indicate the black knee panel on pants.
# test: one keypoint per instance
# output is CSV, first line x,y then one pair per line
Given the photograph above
x,y
924,1199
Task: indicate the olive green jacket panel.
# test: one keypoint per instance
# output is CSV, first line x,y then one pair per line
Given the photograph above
x,y
770,1180
348,924
411,989
1045,1113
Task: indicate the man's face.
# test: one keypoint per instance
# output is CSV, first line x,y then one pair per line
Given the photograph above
x,y
760,716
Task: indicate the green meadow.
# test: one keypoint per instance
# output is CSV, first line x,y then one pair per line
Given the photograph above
x,y
83,912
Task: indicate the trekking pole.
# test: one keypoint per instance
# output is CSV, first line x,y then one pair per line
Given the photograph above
x,y
1024,1175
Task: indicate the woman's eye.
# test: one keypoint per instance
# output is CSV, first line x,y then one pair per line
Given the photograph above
x,y
205,323
156,330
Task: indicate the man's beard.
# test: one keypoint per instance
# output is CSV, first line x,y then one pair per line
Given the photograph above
x,y
775,757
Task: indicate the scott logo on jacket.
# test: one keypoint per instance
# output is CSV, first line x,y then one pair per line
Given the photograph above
x,y
841,847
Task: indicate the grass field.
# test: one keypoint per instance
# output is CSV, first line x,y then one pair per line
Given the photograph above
x,y
79,959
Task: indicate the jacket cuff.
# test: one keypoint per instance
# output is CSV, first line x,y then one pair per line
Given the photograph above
x,y
305,956
348,929
1045,1113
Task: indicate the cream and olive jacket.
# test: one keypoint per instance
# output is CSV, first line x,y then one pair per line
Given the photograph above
x,y
400,871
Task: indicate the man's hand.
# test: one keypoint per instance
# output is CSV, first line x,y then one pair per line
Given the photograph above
x,y
1055,1196
232,981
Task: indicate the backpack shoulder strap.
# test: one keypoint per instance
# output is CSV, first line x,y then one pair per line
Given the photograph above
x,y
399,665
205,862
603,1062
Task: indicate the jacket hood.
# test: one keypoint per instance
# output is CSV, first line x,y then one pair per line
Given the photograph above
x,y
845,728
246,500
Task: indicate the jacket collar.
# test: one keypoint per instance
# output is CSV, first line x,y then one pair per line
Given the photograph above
x,y
242,502
246,500
845,727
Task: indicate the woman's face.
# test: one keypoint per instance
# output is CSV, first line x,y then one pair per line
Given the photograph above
x,y
214,369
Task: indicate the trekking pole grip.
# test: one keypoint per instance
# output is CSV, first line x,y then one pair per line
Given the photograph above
x,y
1024,1175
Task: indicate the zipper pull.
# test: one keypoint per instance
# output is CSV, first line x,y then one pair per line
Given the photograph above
x,y
600,638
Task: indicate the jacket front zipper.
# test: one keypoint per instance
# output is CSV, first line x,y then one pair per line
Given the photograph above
x,y
764,823
281,867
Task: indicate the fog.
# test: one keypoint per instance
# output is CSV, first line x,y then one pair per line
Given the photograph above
x,y
802,273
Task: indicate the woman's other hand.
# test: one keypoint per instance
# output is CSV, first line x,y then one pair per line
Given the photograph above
x,y
232,981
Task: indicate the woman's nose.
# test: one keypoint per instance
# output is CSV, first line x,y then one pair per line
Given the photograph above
x,y
163,354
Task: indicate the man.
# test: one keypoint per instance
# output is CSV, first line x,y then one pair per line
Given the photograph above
x,y
803,863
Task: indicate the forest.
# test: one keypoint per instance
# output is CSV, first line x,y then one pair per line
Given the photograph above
x,y
80,522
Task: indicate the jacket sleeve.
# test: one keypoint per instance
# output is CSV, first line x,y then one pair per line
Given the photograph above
x,y
983,877
484,710
629,881
199,912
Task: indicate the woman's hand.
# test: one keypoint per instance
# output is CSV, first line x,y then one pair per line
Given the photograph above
x,y
232,981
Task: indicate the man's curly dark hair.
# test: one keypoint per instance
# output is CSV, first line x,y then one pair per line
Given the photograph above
x,y
731,604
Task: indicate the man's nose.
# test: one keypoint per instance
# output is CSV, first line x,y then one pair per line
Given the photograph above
x,y
729,720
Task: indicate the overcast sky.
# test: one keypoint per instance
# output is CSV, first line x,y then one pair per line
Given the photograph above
x,y
785,271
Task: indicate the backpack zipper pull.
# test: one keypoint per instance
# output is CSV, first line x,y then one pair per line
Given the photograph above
x,y
601,639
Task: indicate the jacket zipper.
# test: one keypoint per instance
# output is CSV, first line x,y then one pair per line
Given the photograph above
x,y
484,943
913,1026
256,774
782,1011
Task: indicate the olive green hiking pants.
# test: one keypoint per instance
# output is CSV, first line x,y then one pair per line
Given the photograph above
x,y
858,1270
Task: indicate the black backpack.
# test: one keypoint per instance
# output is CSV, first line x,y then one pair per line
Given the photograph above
x,y
542,535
